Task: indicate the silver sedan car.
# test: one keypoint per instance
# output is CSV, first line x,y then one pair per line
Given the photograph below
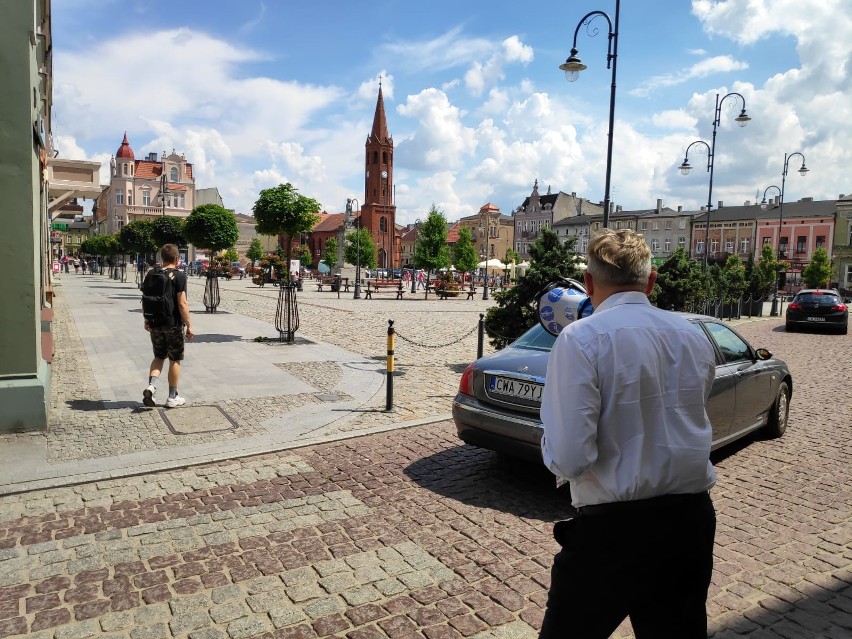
x,y
497,406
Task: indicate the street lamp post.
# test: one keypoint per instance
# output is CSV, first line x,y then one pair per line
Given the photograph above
x,y
164,191
572,68
802,171
357,225
742,119
484,257
413,265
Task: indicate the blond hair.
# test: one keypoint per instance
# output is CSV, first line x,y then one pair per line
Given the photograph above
x,y
619,258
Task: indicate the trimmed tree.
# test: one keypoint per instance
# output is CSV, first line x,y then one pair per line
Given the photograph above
x,y
679,282
137,237
360,249
280,210
732,279
432,252
168,230
255,250
817,273
517,307
464,252
303,254
329,255
211,227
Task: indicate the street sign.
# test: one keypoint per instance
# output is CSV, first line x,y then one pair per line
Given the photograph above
x,y
59,226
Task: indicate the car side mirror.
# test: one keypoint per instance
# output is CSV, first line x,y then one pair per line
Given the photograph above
x,y
562,302
763,354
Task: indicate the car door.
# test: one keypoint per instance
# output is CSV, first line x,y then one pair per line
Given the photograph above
x,y
721,403
752,385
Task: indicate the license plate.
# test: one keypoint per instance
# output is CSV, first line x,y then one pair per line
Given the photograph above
x,y
516,388
816,319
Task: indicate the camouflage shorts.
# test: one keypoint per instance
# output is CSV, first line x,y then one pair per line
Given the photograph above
x,y
168,342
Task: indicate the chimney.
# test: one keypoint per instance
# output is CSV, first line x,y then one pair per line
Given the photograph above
x,y
747,203
618,208
659,204
680,208
721,204
574,194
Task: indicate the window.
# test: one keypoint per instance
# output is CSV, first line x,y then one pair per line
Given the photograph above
x,y
655,226
129,196
518,247
820,241
124,169
714,246
173,174
801,240
383,224
782,246
655,245
681,223
668,225
850,234
744,245
618,225
681,242
668,245
146,198
643,226
729,246
183,200
597,226
519,227
848,275
733,348
119,198
699,247
767,240
375,157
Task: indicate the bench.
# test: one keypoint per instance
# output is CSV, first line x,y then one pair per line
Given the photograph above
x,y
444,293
331,282
384,286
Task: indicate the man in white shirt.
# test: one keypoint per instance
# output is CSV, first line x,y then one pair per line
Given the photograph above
x,y
625,424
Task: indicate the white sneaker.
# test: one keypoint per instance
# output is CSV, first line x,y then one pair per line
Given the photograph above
x,y
174,402
148,395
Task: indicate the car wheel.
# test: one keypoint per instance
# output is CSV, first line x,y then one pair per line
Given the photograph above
x,y
777,422
845,330
789,328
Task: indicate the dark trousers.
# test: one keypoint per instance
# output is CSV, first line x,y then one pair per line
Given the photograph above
x,y
650,560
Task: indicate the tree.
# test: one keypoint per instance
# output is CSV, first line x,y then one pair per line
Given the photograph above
x,y
255,250
517,307
511,256
360,249
231,255
732,279
679,282
764,274
168,230
818,272
281,210
303,254
464,252
329,255
136,237
432,252
212,227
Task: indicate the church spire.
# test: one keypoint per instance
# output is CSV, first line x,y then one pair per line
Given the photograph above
x,y
380,123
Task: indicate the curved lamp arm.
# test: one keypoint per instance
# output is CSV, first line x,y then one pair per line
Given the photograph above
x,y
742,119
763,204
685,168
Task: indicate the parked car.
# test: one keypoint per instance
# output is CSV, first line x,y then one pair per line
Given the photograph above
x,y
497,406
818,307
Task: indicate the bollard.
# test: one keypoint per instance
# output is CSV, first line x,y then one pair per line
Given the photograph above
x,y
480,338
391,339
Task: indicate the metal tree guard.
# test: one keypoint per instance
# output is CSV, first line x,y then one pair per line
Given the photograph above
x,y
287,314
211,292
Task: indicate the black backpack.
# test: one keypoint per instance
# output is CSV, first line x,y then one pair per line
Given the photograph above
x,y
158,297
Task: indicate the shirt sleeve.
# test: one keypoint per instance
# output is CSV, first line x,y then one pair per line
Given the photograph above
x,y
570,408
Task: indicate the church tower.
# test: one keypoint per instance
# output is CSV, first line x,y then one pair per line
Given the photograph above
x,y
378,212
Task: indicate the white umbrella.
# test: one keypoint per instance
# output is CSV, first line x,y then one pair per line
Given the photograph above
x,y
492,263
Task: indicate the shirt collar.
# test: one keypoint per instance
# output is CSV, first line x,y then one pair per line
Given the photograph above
x,y
627,297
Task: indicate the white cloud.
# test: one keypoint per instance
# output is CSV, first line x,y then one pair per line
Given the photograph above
x,y
447,51
702,69
369,88
674,119
488,73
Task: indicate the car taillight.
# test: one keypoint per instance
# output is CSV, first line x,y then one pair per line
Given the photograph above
x,y
838,307
793,306
466,383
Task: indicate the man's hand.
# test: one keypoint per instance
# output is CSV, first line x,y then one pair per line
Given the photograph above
x,y
189,333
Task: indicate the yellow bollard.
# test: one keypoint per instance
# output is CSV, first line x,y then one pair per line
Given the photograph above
x,y
391,341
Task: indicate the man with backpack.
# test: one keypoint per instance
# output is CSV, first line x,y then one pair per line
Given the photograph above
x,y
166,313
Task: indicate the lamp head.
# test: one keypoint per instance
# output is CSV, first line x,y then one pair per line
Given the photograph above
x,y
763,204
743,118
804,170
685,168
572,67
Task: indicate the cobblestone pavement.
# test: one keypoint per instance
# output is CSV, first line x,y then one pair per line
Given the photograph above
x,y
408,533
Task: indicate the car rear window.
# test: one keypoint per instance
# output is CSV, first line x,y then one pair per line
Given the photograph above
x,y
536,339
817,298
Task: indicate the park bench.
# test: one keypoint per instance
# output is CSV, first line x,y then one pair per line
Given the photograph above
x,y
444,293
331,282
384,286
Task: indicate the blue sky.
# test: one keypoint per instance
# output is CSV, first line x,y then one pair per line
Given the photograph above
x,y
261,92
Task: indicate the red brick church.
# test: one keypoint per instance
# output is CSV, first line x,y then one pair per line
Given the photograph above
x,y
378,211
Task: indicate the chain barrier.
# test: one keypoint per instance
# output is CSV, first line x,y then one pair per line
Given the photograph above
x,y
494,334
422,345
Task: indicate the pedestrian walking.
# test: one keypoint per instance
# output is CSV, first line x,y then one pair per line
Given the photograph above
x,y
421,280
64,261
625,425
166,312
83,265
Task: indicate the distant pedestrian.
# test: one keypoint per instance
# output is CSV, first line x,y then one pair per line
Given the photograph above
x,y
83,265
76,265
421,280
167,319
64,261
625,424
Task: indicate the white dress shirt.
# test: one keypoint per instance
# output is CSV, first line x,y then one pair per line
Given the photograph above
x,y
623,406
